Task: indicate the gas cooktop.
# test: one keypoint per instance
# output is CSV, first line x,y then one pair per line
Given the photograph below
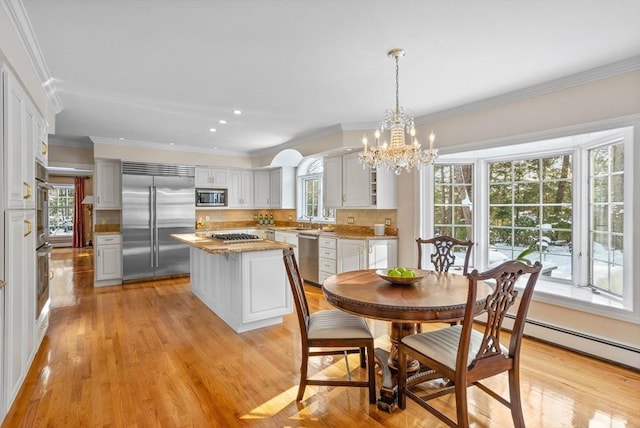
x,y
229,238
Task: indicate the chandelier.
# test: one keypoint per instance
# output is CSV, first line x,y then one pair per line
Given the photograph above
x,y
398,153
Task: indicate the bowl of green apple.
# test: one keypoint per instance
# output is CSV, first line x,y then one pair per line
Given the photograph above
x,y
400,275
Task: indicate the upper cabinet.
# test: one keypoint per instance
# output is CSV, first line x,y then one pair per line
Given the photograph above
x,y
240,189
107,184
275,188
348,185
211,177
41,141
20,119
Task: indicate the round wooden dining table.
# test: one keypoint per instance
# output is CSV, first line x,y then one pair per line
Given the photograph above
x,y
437,297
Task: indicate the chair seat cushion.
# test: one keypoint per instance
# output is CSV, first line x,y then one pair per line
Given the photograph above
x,y
442,345
336,324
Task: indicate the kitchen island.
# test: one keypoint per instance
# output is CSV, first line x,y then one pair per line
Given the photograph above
x,y
244,283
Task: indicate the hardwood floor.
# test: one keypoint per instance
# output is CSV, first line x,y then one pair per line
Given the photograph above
x,y
152,355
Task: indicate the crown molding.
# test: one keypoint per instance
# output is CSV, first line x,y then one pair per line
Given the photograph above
x,y
164,146
581,78
22,25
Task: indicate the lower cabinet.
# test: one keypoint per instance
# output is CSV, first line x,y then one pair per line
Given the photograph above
x,y
19,299
383,253
357,254
289,238
326,258
351,255
108,259
246,290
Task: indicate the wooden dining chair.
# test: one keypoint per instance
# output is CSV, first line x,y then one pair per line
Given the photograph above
x,y
327,329
464,355
443,256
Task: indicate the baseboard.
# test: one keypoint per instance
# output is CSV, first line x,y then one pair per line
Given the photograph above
x,y
597,347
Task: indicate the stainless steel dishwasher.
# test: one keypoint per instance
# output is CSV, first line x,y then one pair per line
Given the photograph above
x,y
308,253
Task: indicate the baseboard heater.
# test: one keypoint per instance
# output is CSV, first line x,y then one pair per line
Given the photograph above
x,y
596,347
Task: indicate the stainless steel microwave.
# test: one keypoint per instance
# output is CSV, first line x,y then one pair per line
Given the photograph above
x,y
211,197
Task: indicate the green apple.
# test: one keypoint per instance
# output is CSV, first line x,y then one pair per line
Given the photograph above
x,y
394,273
401,269
408,274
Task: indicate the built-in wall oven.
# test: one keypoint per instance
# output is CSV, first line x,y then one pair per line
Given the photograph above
x,y
43,248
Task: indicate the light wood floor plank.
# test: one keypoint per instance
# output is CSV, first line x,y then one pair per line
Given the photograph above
x,y
152,355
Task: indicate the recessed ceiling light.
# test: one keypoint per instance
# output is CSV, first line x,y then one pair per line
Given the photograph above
x,y
215,148
172,144
212,129
121,138
222,121
237,112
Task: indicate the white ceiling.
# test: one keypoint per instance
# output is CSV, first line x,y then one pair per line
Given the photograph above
x,y
166,71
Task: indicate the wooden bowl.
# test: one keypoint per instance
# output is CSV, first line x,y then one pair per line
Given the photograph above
x,y
382,273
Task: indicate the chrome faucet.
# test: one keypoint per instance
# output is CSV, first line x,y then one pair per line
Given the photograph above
x,y
310,221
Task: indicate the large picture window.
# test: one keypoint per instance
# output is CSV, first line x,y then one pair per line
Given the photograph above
x,y
530,211
560,201
61,210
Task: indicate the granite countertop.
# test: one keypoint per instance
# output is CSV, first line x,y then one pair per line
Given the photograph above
x,y
316,232
198,240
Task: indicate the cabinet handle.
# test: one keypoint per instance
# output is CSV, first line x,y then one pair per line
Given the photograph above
x,y
29,228
370,248
98,199
98,252
52,274
28,188
45,148
344,197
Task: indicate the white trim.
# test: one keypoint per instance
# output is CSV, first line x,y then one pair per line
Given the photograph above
x,y
22,25
165,146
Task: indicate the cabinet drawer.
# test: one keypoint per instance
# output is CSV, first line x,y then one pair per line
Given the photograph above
x,y
328,243
327,253
327,265
108,239
322,276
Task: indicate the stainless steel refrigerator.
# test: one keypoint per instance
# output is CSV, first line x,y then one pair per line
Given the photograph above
x,y
157,201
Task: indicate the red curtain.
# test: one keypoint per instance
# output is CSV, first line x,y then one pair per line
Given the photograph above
x,y
78,213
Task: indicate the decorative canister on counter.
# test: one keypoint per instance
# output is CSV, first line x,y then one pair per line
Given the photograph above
x,y
378,229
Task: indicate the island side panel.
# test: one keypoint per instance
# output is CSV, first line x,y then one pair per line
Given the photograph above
x,y
247,290
265,287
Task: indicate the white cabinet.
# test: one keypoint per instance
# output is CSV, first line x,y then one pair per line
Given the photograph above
x,y
348,185
288,238
355,182
247,290
108,259
107,184
383,253
211,177
351,255
41,142
20,130
356,254
240,189
261,188
20,299
332,182
275,188
326,258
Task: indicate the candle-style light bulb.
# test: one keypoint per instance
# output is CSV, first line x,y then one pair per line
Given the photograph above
x,y
377,135
364,141
432,138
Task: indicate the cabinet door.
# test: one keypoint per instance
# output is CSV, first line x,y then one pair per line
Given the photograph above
x,y
356,183
382,253
332,182
261,189
20,298
41,142
246,184
107,184
108,262
240,191
275,188
19,159
211,177
351,255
